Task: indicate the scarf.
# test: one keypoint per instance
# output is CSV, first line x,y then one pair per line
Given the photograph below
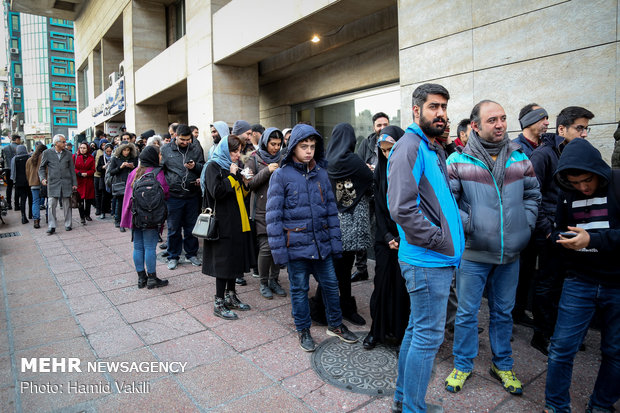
x,y
262,145
484,151
240,194
349,175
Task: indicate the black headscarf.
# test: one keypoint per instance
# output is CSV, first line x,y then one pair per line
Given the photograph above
x,y
386,228
270,133
149,157
349,175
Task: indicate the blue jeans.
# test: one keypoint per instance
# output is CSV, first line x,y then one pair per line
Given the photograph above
x,y
299,275
182,215
144,243
501,281
428,290
36,209
580,299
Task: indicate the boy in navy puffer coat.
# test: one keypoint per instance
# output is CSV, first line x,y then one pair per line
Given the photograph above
x,y
304,230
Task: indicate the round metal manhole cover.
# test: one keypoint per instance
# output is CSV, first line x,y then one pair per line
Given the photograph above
x,y
351,367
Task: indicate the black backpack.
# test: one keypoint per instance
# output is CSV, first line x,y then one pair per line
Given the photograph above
x,y
148,206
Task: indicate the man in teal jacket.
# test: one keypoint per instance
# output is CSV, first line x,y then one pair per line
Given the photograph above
x,y
431,234
497,191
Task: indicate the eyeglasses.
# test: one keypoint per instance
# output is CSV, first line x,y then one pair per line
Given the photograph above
x,y
580,128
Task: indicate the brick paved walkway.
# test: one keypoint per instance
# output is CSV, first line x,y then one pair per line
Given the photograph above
x,y
74,294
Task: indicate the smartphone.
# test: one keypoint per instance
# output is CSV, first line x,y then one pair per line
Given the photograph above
x,y
568,234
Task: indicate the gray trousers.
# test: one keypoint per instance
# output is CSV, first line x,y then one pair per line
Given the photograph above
x,y
66,207
267,269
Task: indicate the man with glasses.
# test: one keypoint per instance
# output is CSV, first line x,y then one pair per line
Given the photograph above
x,y
571,123
57,172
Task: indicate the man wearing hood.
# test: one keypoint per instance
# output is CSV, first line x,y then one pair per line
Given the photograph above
x,y
219,130
494,184
572,123
57,172
304,232
588,232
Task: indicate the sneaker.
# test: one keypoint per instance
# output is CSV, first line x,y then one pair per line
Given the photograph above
x,y
456,380
266,292
305,340
234,303
195,261
510,382
594,409
255,274
241,281
551,409
343,333
172,264
163,246
277,289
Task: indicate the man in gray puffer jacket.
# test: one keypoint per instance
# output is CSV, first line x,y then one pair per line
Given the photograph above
x,y
497,191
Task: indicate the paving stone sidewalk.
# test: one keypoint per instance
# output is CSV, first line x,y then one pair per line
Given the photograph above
x,y
74,295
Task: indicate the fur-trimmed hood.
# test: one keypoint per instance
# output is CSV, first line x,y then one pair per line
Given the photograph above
x,y
119,150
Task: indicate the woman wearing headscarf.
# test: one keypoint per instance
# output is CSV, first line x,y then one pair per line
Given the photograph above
x,y
144,239
97,154
351,181
20,179
389,303
263,162
233,253
32,170
102,166
124,160
85,171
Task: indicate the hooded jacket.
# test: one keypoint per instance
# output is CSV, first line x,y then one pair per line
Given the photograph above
x,y
599,214
18,167
120,174
421,204
497,225
545,161
182,181
302,218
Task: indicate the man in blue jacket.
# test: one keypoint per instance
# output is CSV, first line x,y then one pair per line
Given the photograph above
x,y
431,233
497,191
304,231
588,231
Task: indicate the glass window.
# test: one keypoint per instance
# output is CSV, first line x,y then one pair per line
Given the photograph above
x,y
15,43
354,108
14,22
17,68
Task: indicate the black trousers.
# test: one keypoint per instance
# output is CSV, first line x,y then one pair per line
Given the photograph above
x,y
21,195
547,287
527,270
9,185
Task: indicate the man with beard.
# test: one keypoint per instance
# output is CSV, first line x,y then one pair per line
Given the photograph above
x,y
494,184
219,130
243,130
432,241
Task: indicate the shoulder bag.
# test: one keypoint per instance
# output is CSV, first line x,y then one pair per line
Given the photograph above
x,y
206,226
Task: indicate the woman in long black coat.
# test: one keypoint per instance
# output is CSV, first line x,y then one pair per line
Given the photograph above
x,y
389,302
233,253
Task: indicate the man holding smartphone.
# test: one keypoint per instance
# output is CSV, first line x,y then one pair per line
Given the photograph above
x,y
182,162
589,207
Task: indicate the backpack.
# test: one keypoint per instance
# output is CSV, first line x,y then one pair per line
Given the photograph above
x,y
148,206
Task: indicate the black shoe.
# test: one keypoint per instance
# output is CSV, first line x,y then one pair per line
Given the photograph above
x,y
153,282
480,330
163,246
122,229
83,221
305,340
142,279
37,223
354,318
165,254
16,208
117,224
397,406
370,342
24,219
88,218
68,228
343,333
233,302
51,231
522,318
582,347
241,281
540,343
221,310
277,289
359,276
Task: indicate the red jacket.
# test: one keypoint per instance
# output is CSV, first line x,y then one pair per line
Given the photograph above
x,y
86,185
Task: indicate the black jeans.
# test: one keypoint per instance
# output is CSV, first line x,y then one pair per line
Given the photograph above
x,y
547,287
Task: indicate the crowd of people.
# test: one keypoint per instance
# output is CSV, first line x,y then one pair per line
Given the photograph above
x,y
450,220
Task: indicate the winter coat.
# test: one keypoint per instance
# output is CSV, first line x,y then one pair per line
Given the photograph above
x,y
368,149
615,157
102,171
302,217
8,152
120,174
526,145
182,181
60,173
497,226
32,171
545,161
126,216
599,214
259,185
421,204
18,167
233,253
86,185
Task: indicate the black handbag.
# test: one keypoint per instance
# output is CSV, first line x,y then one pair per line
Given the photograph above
x,y
118,188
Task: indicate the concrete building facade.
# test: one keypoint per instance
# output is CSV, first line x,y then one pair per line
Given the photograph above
x,y
146,63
